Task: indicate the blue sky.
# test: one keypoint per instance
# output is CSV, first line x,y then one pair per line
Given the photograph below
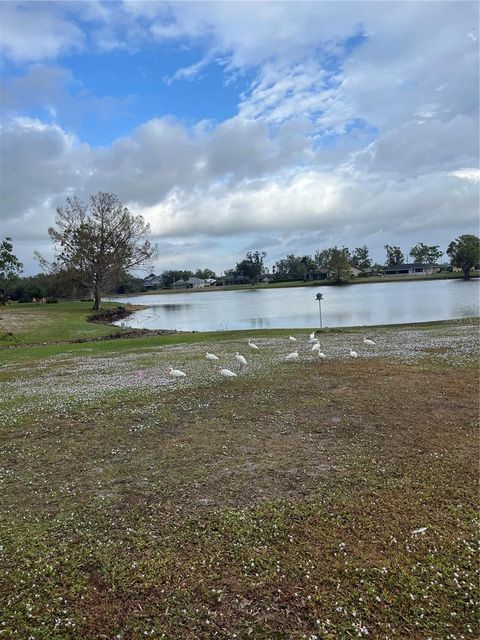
x,y
284,127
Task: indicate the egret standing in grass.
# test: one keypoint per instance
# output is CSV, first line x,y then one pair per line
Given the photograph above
x,y
292,356
353,354
239,358
368,341
321,355
226,373
292,339
211,356
252,345
316,346
176,373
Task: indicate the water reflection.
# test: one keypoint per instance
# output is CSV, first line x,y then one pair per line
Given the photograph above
x,y
173,307
365,304
260,323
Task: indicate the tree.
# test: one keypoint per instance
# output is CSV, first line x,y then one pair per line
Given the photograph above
x,y
336,261
173,275
98,242
293,267
204,274
464,253
394,256
361,259
252,267
423,253
10,267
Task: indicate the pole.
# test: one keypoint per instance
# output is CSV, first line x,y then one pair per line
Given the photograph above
x,y
319,297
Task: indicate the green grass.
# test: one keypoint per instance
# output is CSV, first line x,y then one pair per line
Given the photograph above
x,y
33,324
280,506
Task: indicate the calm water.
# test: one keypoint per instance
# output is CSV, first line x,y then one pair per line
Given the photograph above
x,y
348,305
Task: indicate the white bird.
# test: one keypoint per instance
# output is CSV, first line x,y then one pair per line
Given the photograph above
x,y
353,354
321,355
292,339
252,345
292,356
313,340
211,356
316,346
176,373
226,373
240,359
367,341
312,335
420,531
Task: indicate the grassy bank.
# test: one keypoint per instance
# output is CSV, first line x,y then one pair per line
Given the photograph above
x,y
331,500
29,323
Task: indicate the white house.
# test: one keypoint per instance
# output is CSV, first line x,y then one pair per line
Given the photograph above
x,y
412,269
152,281
190,283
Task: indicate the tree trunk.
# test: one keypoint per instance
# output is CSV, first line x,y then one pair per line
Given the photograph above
x,y
97,300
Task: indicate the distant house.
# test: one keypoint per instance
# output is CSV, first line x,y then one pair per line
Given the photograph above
x,y
152,281
412,269
190,283
355,271
476,267
266,277
317,274
324,274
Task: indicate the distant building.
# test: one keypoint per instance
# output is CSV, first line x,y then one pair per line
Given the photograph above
x,y
317,274
355,271
412,269
190,283
324,274
152,281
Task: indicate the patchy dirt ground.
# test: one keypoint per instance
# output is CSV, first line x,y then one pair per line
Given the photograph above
x,y
313,499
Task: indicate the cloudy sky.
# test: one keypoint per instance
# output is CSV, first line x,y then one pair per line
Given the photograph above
x,y
278,126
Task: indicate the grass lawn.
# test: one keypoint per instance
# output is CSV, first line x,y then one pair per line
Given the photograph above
x,y
40,323
312,499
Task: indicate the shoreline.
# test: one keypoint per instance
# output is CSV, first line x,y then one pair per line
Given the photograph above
x,y
137,334
298,283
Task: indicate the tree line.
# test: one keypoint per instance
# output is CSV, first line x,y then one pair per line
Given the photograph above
x,y
99,243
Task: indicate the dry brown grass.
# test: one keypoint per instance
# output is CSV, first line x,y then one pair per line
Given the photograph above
x,y
279,506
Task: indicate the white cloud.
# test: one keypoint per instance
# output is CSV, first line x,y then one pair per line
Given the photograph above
x,y
288,169
35,31
467,174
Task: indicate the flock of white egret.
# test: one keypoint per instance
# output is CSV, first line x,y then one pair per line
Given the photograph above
x,y
294,355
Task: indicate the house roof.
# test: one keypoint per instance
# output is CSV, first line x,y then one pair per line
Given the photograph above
x,y
191,280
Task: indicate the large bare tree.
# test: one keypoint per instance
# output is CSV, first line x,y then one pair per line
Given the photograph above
x,y
98,241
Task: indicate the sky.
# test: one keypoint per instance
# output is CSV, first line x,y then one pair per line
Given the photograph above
x,y
283,127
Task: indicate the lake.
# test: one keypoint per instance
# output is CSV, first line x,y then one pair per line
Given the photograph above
x,y
296,307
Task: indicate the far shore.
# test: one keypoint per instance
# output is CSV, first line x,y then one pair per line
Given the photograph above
x,y
299,283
